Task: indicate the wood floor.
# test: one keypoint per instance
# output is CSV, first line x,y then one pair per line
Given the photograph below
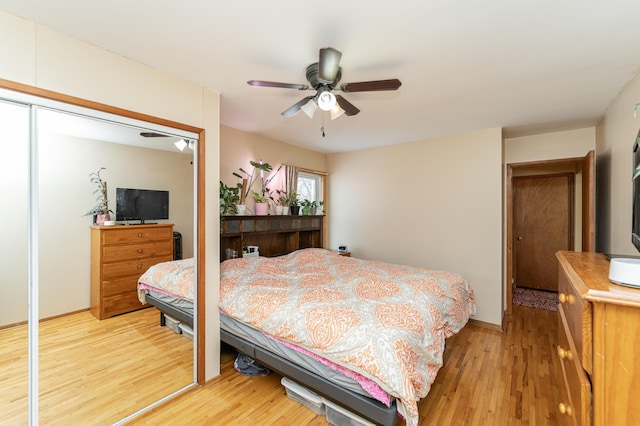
x,y
488,378
93,372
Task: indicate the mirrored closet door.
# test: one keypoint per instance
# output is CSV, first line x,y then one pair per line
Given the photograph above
x,y
14,190
92,369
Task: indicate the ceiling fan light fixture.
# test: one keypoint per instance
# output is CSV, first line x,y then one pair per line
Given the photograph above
x,y
336,112
309,108
326,101
181,144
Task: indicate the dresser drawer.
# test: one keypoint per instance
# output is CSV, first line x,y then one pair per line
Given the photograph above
x,y
137,235
575,396
131,267
578,317
121,303
119,285
115,253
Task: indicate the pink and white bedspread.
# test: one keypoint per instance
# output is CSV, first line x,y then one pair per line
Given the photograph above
x,y
387,322
174,278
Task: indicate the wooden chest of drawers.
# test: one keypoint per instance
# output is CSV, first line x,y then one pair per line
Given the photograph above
x,y
119,255
599,344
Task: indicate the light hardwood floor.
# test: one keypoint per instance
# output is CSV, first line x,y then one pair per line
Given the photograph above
x,y
488,378
93,372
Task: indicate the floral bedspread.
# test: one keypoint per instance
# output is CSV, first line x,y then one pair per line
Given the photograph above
x,y
387,322
174,278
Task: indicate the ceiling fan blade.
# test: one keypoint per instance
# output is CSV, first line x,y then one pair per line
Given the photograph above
x,y
153,135
348,107
261,83
329,64
371,86
293,109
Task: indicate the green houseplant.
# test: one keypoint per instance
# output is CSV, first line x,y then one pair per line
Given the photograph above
x,y
248,179
306,206
229,198
262,203
292,202
100,211
310,207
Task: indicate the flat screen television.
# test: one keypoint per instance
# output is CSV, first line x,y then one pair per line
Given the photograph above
x,y
635,222
141,204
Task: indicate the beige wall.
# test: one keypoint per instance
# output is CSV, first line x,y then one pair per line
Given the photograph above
x,y
548,146
434,203
616,134
41,57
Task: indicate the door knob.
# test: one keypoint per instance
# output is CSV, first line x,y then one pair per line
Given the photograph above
x,y
519,238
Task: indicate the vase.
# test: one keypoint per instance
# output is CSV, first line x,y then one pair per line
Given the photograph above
x,y
285,210
262,209
241,209
102,218
294,210
279,210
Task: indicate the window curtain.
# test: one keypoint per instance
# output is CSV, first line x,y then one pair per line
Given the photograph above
x,y
290,178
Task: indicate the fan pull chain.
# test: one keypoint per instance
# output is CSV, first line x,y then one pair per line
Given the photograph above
x,y
322,128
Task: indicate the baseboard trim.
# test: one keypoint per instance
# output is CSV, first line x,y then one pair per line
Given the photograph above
x,y
18,324
488,325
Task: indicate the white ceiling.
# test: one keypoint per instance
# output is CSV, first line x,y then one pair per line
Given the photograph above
x,y
527,66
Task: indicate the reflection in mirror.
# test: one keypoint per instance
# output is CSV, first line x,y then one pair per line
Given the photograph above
x,y
14,190
94,370
122,362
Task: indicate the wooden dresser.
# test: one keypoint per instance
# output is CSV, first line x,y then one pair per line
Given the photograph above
x,y
119,255
599,344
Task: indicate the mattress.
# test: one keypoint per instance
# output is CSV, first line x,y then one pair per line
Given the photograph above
x,y
383,321
252,335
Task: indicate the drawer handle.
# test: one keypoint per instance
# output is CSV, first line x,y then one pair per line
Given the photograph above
x,y
140,234
140,250
564,353
563,298
139,266
565,409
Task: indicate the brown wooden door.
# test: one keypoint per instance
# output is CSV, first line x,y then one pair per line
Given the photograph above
x,y
543,223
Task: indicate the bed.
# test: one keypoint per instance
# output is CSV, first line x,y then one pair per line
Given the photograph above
x,y
367,335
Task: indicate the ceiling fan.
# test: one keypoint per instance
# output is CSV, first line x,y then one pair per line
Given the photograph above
x,y
323,77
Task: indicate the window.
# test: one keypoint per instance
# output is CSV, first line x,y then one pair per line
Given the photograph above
x,y
310,186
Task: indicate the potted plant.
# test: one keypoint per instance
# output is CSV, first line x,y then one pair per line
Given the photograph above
x,y
280,201
306,207
100,211
262,203
229,198
316,207
248,179
292,202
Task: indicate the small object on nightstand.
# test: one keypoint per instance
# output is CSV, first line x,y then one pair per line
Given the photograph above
x,y
345,253
343,249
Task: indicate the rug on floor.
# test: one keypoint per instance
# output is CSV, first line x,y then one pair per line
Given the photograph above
x,y
538,299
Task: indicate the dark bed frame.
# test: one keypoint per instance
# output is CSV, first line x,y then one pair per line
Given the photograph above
x,y
367,408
